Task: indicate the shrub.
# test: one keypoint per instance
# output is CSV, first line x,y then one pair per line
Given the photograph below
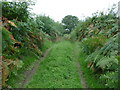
x,y
93,43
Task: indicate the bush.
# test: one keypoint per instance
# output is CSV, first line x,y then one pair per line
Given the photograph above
x,y
93,43
110,79
14,10
19,39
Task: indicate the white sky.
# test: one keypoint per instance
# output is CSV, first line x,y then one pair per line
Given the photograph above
x,y
58,9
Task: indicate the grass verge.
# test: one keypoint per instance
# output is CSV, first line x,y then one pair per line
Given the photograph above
x,y
15,78
91,80
47,44
28,60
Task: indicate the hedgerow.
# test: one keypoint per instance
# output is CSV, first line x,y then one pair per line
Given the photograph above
x,y
98,36
23,37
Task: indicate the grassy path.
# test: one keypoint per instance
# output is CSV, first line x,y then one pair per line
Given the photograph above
x,y
29,73
80,72
58,70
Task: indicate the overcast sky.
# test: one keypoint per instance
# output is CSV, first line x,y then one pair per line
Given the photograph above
x,y
58,9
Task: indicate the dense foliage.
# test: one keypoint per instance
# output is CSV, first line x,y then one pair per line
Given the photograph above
x,y
16,10
99,40
49,26
23,36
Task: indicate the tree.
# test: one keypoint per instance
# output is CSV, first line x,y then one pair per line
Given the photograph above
x,y
69,22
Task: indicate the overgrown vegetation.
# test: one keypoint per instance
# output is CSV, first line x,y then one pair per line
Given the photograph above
x,y
50,27
99,41
91,79
24,37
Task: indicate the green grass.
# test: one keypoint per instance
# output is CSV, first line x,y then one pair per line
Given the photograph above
x,y
47,44
27,61
91,80
58,70
14,79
